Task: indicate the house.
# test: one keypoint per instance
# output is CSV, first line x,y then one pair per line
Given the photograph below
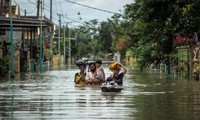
x,y
26,30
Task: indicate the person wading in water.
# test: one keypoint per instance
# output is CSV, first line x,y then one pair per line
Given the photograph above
x,y
80,76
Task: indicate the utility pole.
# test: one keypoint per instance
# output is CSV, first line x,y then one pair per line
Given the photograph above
x,y
50,10
59,39
41,38
38,8
11,41
69,48
51,37
25,12
64,41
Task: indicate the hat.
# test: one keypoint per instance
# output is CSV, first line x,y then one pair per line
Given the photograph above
x,y
81,62
114,66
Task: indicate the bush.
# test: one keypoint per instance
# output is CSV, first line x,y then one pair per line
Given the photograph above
x,y
4,65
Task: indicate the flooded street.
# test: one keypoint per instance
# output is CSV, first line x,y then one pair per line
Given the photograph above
x,y
148,95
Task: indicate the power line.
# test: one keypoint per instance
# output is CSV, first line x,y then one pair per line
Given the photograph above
x,y
72,20
31,2
91,7
56,5
23,10
18,6
46,8
32,10
61,7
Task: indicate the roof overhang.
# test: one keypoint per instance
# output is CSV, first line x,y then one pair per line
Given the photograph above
x,y
25,22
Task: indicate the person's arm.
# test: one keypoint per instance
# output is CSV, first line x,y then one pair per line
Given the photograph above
x,y
96,78
124,69
88,78
77,78
82,77
100,75
104,76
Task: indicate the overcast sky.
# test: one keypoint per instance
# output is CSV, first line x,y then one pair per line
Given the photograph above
x,y
70,10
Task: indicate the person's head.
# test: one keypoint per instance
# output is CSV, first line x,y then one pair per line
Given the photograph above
x,y
116,72
92,66
81,64
82,67
98,63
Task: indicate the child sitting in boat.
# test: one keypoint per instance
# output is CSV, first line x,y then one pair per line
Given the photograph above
x,y
80,76
111,86
110,82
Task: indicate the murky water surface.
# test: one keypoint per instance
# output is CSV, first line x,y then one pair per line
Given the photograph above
x,y
148,95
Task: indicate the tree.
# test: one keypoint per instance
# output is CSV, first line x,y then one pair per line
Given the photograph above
x,y
154,24
105,38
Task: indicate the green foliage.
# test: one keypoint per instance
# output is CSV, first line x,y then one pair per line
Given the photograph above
x,y
4,65
154,23
48,53
105,36
129,53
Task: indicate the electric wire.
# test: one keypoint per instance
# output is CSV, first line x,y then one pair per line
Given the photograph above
x,y
32,11
61,7
19,7
91,7
47,9
23,10
72,19
56,6
31,2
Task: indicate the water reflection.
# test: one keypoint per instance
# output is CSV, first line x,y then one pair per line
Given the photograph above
x,y
148,95
169,98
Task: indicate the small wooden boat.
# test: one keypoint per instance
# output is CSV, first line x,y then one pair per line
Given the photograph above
x,y
87,85
111,88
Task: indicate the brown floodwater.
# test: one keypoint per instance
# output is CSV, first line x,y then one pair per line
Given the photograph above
x,y
147,95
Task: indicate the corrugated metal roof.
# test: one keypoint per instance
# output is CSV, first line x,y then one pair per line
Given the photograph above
x,y
24,22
